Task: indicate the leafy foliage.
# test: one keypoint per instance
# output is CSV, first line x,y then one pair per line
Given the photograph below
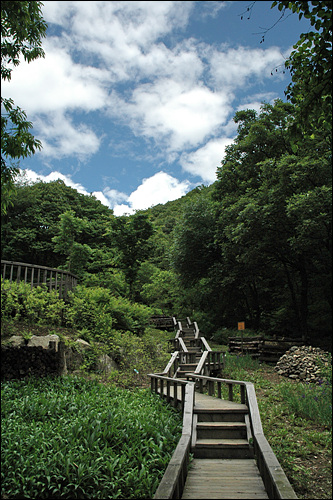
x,y
73,438
310,64
22,29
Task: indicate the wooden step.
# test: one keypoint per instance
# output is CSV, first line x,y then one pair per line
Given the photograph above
x,y
222,448
221,415
224,430
188,366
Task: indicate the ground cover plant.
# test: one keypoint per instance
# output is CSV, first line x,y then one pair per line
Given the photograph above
x,y
70,437
297,421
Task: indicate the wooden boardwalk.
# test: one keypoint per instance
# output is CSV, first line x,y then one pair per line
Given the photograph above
x,y
222,453
223,478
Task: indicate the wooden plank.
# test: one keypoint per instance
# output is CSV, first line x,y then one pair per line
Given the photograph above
x,y
223,479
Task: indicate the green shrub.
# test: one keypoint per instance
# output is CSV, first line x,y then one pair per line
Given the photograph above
x,y
100,312
37,305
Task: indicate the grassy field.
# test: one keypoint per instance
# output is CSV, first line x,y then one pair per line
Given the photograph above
x,y
297,421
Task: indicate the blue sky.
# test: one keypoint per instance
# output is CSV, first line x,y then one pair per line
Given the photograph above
x,y
134,100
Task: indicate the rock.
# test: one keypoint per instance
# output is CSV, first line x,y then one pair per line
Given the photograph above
x,y
44,341
106,364
16,341
82,344
303,363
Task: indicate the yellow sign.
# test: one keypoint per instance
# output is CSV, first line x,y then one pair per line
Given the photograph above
x,y
241,325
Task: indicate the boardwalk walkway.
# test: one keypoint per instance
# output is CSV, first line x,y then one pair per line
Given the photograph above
x,y
222,453
221,478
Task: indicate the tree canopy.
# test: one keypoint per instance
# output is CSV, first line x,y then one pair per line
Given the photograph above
x,y
22,30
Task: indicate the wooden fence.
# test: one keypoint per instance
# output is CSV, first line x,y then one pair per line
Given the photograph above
x,y
52,279
268,350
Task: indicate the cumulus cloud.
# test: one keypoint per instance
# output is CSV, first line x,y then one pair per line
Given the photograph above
x,y
233,67
160,188
126,62
204,161
33,177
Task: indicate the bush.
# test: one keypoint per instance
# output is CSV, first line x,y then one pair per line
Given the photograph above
x,y
101,313
37,305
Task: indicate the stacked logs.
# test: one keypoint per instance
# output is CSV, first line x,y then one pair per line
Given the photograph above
x,y
303,363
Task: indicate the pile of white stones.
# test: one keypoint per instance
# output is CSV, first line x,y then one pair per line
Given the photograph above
x,y
304,363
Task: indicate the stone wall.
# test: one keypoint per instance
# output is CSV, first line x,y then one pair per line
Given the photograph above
x,y
46,355
24,361
303,363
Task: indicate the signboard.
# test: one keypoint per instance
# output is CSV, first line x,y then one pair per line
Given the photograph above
x,y
241,325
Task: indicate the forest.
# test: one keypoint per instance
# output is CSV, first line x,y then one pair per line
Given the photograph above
x,y
255,246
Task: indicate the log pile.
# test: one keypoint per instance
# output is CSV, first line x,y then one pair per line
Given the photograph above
x,y
267,350
303,363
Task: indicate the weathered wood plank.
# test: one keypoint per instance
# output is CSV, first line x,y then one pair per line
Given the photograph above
x,y
223,479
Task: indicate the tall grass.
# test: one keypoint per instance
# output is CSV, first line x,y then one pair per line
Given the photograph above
x,y
310,401
69,438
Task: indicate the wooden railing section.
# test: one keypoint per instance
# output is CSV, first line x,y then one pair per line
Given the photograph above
x,y
53,279
173,481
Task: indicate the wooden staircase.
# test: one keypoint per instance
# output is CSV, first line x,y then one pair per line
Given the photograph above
x,y
228,461
191,350
221,433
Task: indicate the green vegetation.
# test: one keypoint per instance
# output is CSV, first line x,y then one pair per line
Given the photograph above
x,y
111,325
297,422
74,438
22,30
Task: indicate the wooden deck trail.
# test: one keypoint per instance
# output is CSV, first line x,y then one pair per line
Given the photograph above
x,y
219,477
222,452
223,478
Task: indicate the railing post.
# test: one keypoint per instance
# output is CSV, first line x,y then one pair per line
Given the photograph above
x,y
175,391
242,392
231,394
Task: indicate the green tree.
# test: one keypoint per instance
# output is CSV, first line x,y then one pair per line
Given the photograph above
x,y
22,30
266,198
131,236
310,64
70,227
30,224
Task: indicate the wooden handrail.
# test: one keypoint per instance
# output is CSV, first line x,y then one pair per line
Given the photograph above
x,y
173,362
196,330
173,480
276,482
53,278
182,345
205,344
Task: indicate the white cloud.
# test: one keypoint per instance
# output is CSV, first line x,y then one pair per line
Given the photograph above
x,y
173,115
55,83
33,177
61,138
160,188
205,160
234,67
